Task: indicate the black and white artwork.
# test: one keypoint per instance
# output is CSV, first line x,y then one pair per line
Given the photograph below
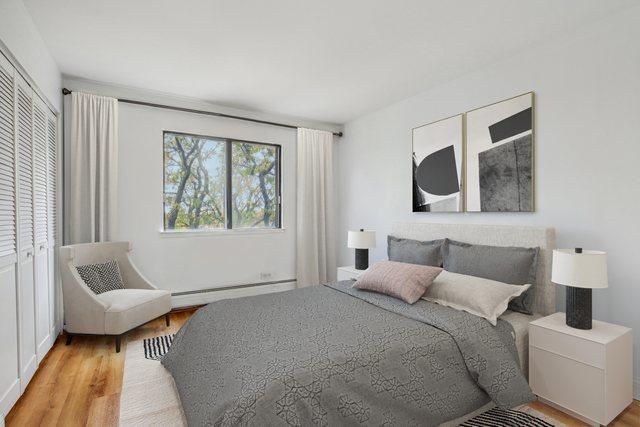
x,y
499,161
437,166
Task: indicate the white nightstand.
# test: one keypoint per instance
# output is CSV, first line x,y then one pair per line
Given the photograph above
x,y
349,272
586,373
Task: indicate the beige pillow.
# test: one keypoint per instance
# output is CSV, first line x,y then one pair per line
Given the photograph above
x,y
407,282
482,297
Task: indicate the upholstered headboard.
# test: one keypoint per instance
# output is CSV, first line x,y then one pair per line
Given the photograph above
x,y
496,235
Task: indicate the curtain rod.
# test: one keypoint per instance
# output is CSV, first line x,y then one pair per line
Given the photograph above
x,y
66,91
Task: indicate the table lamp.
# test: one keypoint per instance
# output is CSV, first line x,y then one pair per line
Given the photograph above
x,y
580,271
362,240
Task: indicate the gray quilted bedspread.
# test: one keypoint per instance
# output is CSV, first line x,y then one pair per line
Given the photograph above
x,y
333,355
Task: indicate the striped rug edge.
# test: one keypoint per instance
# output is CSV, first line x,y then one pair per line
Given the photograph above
x,y
156,347
497,417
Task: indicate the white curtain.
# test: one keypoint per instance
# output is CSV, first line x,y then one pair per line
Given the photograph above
x,y
315,249
93,168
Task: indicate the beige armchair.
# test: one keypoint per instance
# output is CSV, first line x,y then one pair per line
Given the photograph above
x,y
109,313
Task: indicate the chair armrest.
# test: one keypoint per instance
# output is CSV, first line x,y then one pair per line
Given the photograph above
x,y
83,312
132,277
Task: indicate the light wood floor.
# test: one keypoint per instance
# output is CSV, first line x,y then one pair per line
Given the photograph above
x,y
80,384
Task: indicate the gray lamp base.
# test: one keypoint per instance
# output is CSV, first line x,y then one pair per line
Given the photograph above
x,y
362,259
578,307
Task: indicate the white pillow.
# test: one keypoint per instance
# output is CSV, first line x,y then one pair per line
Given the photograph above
x,y
482,297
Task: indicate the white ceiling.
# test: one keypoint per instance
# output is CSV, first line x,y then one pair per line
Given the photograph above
x,y
328,60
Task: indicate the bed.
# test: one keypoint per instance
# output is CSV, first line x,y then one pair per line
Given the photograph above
x,y
334,355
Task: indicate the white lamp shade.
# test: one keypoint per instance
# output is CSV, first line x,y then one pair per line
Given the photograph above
x,y
364,239
581,270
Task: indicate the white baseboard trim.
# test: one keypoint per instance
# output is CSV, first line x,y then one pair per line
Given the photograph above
x,y
44,347
28,372
208,296
57,330
9,398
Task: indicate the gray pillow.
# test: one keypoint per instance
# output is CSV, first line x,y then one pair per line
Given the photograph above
x,y
102,277
506,264
415,251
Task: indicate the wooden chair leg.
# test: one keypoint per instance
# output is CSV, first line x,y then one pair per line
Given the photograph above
x,y
167,319
118,338
69,338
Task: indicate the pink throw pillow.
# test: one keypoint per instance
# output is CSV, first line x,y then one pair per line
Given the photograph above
x,y
407,282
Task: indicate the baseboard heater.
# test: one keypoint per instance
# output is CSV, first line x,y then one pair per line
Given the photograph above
x,y
227,288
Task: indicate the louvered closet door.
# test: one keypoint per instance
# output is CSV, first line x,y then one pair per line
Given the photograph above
x,y
7,163
9,369
26,294
40,208
52,214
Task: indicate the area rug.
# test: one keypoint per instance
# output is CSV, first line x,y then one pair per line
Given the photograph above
x,y
149,396
156,347
523,416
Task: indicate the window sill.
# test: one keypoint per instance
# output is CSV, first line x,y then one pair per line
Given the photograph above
x,y
222,232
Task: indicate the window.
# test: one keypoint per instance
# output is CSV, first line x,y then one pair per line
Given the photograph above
x,y
216,183
254,184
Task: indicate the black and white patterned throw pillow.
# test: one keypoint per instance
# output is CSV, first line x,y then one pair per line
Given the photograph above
x,y
89,276
101,277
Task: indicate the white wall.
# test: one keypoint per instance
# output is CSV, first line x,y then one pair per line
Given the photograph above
x,y
21,37
587,89
184,263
